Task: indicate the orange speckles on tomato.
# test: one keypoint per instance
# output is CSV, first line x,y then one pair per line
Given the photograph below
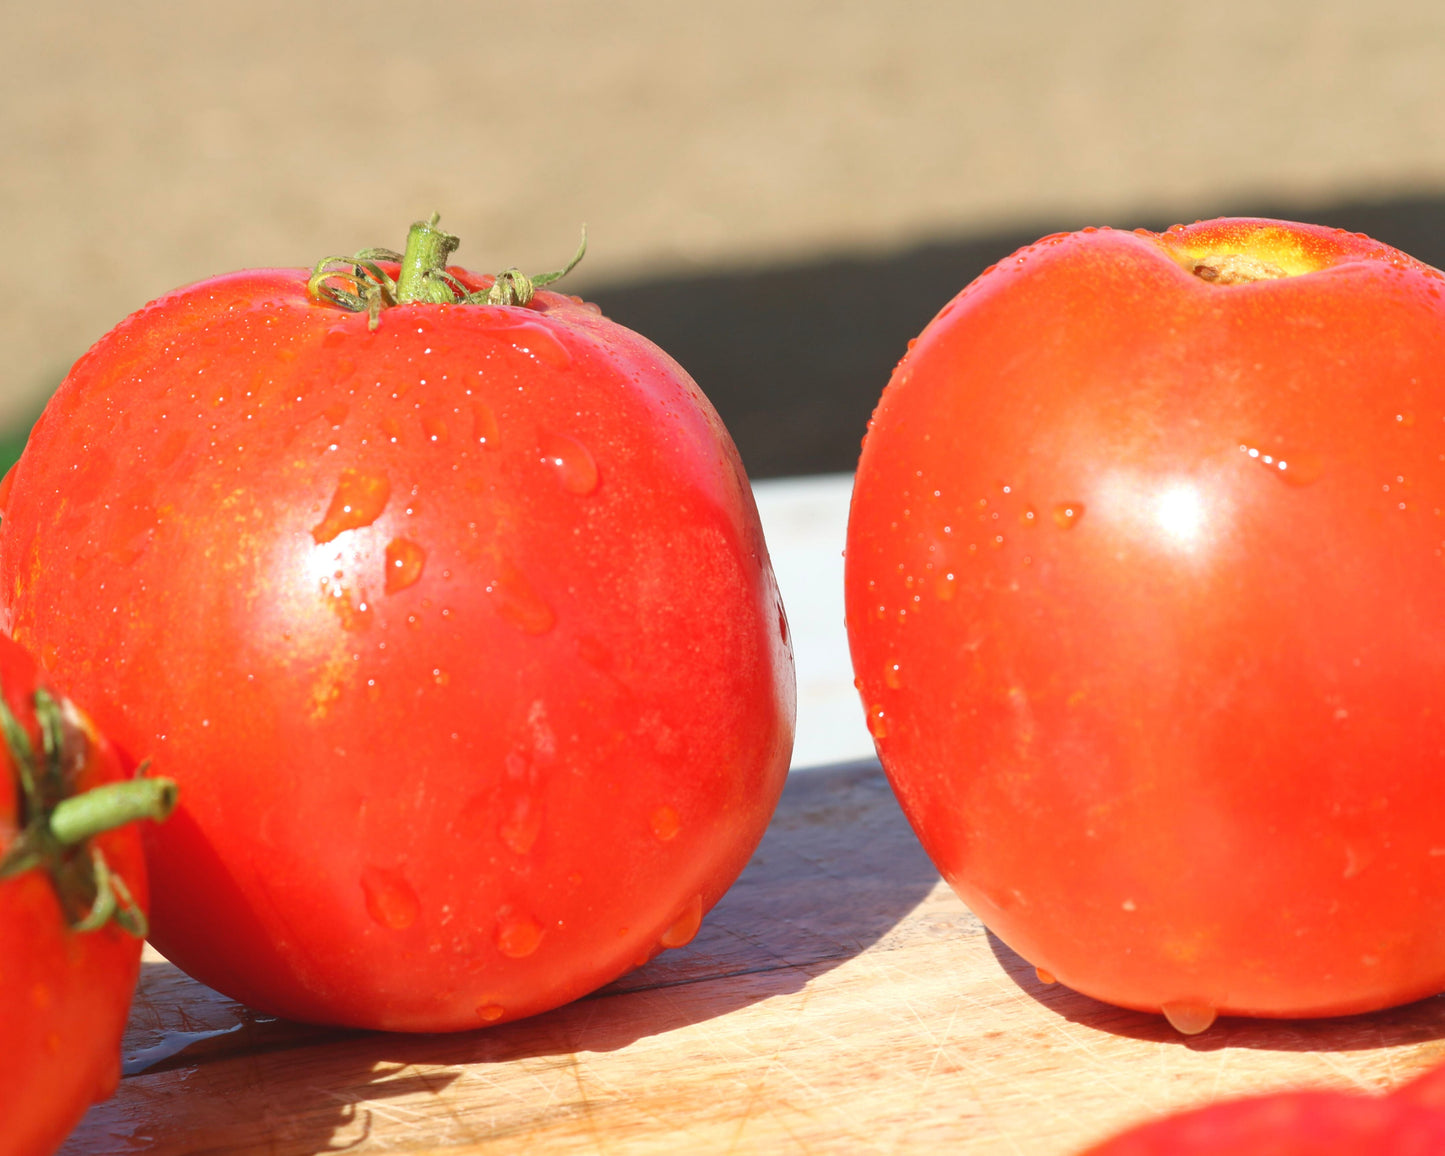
x,y
519,830
518,602
358,501
353,610
405,561
665,824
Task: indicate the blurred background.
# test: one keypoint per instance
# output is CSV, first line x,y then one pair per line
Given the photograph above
x,y
780,193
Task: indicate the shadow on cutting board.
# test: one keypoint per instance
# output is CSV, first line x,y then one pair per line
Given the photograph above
x,y
838,869
1415,1023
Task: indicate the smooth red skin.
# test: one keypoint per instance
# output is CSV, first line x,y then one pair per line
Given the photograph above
x,y
1166,769
1290,1124
67,994
374,804
1408,1122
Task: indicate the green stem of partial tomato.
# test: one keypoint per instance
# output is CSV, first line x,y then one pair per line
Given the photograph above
x,y
427,251
105,808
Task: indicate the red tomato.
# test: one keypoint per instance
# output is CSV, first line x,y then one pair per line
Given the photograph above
x,y
1409,1122
72,907
1146,601
459,634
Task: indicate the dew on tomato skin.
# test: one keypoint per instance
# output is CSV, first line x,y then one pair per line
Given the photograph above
x,y
877,722
390,899
336,414
891,677
665,824
518,936
684,927
405,561
490,1013
1029,517
358,501
1068,514
518,602
1295,468
576,467
1188,1017
943,588
1045,976
540,344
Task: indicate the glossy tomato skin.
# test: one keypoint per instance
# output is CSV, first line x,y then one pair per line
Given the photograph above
x,y
67,992
1144,599
460,636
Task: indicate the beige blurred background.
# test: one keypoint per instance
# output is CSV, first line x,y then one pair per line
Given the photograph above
x,y
153,143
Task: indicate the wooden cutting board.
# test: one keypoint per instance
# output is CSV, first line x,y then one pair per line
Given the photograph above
x,y
839,999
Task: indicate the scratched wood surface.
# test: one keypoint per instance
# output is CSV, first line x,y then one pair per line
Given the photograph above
x,y
839,999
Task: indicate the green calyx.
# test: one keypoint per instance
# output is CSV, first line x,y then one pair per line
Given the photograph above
x,y
359,284
57,825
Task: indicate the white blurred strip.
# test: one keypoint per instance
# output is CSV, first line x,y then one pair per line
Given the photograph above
x,y
805,521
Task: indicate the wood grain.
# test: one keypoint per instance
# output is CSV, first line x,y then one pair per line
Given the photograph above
x,y
839,999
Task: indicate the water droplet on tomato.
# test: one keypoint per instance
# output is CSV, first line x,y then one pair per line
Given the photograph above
x,y
945,585
890,676
1029,517
1293,467
1045,976
877,723
540,344
683,928
1188,1017
390,899
490,1013
665,823
1067,514
518,936
576,467
358,501
484,425
435,430
336,414
518,602
405,561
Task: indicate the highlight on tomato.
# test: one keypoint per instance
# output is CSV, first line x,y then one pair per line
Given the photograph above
x,y
72,906
443,598
1146,601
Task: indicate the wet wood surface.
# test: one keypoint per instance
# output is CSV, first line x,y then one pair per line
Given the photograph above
x,y
838,999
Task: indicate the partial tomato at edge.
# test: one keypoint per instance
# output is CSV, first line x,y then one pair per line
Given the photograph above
x,y
67,983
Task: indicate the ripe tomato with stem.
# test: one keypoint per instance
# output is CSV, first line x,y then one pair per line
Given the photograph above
x,y
445,600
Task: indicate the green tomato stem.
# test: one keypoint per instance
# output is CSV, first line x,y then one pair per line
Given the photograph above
x,y
427,251
105,808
